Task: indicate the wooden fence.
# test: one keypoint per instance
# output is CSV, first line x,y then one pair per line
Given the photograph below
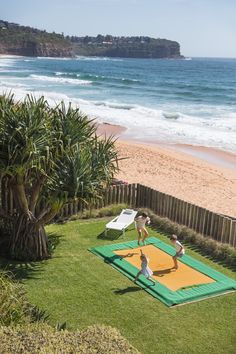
x,y
124,193
220,227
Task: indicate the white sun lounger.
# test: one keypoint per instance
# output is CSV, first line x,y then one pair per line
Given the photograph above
x,y
122,221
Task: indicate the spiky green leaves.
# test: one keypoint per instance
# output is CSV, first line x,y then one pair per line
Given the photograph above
x,y
53,153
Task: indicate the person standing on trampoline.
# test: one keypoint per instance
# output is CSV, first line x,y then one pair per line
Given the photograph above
x,y
141,221
179,250
145,270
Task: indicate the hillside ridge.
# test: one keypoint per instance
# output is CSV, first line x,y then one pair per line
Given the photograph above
x,y
27,41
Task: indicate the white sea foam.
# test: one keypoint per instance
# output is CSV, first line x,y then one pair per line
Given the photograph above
x,y
58,73
60,80
191,123
11,56
148,123
92,76
185,129
115,105
54,58
97,58
171,115
12,84
7,62
15,71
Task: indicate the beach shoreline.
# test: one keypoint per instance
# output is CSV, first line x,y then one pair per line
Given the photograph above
x,y
215,156
200,175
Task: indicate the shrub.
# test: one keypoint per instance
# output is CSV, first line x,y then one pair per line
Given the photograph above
x,y
88,214
210,246
14,306
12,302
43,339
111,210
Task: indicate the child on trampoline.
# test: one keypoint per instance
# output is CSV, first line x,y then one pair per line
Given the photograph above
x,y
145,270
179,250
141,221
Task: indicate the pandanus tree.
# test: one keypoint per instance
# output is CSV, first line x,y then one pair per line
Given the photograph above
x,y
48,157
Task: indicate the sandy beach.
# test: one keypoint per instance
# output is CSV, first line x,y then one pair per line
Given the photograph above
x,y
198,177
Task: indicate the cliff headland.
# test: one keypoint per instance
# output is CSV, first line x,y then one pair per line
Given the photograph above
x,y
27,41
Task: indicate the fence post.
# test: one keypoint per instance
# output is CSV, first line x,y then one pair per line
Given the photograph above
x,y
133,200
233,234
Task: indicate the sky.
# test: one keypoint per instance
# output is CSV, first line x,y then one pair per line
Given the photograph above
x,y
204,28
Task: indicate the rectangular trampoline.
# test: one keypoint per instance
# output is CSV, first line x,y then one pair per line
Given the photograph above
x,y
192,281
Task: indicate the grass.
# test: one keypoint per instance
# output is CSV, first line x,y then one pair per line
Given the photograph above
x,y
77,287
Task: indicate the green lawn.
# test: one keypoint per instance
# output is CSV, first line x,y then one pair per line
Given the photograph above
x,y
77,287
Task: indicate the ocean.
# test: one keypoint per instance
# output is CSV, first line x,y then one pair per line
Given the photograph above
x,y
189,101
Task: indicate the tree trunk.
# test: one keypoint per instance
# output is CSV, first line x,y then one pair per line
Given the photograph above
x,y
28,242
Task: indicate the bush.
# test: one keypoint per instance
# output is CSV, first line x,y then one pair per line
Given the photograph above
x,y
88,214
210,247
43,339
12,302
111,210
14,306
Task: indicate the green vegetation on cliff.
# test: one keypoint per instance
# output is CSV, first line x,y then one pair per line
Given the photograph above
x,y
24,40
127,47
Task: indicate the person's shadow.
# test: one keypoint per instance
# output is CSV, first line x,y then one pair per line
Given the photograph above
x,y
128,255
117,256
161,273
129,289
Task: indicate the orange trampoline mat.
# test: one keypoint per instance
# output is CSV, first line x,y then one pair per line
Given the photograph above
x,y
161,263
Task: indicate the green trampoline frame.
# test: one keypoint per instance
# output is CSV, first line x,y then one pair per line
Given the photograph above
x,y
222,284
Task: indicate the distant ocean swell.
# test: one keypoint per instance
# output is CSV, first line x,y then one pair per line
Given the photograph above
x,y
159,101
60,80
96,77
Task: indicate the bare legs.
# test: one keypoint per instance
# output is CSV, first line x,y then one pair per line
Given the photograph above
x,y
175,262
139,273
153,282
142,234
139,236
145,235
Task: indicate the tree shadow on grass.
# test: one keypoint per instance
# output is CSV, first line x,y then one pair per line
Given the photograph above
x,y
20,270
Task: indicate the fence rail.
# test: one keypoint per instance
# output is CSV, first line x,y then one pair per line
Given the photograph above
x,y
220,227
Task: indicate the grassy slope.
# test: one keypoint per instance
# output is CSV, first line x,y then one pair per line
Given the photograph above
x,y
78,287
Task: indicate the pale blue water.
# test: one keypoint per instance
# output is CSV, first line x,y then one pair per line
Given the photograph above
x,y
176,101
